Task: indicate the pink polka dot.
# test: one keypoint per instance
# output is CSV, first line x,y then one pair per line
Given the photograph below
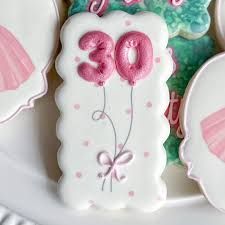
x,y
146,154
91,202
157,60
77,106
78,175
160,198
128,111
120,146
93,206
127,22
77,59
131,193
86,143
149,104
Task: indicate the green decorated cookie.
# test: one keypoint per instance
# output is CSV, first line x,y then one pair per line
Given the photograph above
x,y
188,18
188,57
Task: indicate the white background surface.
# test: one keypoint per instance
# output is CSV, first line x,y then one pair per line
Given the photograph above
x,y
29,171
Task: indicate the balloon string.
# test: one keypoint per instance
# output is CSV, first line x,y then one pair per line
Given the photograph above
x,y
129,131
131,119
101,114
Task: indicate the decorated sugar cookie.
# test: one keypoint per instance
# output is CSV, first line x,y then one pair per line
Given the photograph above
x,y
188,56
188,18
113,96
204,126
220,21
185,66
28,41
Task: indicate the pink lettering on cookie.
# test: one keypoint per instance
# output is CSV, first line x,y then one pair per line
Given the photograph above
x,y
173,110
98,6
172,113
176,2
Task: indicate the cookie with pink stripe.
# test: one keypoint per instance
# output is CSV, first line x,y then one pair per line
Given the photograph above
x,y
25,58
203,149
118,86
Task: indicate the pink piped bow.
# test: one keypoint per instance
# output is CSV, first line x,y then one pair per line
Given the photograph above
x,y
122,159
213,132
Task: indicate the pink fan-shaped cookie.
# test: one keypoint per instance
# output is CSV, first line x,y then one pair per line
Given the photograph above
x,y
15,64
213,132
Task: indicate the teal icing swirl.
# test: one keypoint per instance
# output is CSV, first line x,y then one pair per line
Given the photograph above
x,y
191,19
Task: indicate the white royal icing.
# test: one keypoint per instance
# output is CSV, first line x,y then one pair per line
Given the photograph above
x,y
86,153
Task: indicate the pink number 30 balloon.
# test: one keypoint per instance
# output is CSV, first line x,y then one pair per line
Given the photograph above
x,y
102,54
144,60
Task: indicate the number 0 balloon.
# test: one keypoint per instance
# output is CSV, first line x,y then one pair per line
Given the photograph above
x,y
144,57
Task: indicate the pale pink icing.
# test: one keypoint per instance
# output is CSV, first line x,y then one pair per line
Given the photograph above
x,y
131,193
15,64
213,132
146,154
78,175
144,62
77,106
172,113
173,109
122,159
128,22
102,47
149,104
